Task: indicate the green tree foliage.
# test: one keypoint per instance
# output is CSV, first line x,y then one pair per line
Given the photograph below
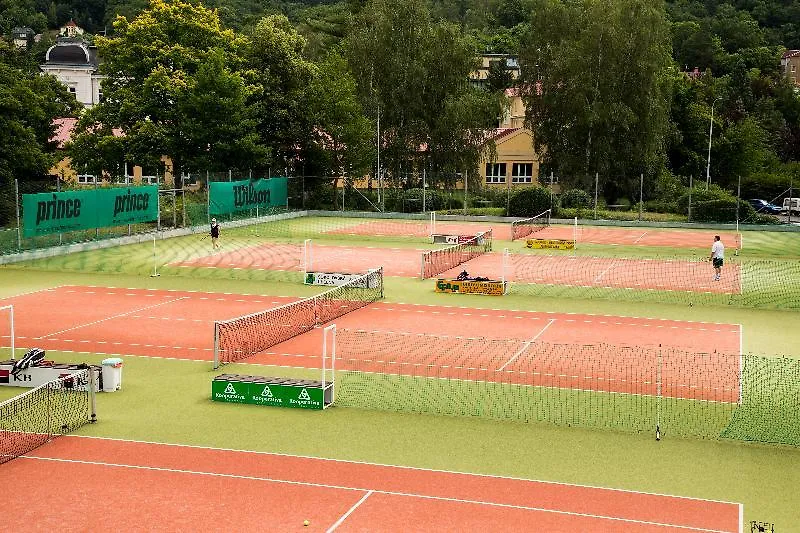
x,y
29,103
589,102
341,130
276,68
174,89
414,73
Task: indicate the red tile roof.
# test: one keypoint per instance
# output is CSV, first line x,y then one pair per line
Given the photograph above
x,y
64,128
790,53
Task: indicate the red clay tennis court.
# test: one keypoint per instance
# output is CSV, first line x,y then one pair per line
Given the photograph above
x,y
568,270
611,235
126,485
179,324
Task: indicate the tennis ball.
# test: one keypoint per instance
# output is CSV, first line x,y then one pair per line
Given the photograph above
x,y
306,522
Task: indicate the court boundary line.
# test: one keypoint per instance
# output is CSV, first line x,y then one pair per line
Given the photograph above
x,y
527,344
29,293
384,303
350,511
404,467
79,326
370,491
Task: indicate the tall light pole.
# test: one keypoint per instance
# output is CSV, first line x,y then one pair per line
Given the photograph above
x,y
710,132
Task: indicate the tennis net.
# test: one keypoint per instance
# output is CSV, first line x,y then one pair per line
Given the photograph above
x,y
434,262
628,388
527,226
38,415
238,338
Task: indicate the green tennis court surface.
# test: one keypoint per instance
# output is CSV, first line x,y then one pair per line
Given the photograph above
x,y
167,400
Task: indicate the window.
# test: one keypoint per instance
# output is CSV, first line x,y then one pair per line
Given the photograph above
x,y
72,90
150,180
86,178
495,172
522,173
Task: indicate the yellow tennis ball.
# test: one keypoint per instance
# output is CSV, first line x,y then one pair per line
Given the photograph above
x,y
306,522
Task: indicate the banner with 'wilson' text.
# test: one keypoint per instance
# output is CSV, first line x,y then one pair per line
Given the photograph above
x,y
234,196
60,212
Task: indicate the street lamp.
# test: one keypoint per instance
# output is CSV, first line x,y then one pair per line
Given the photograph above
x,y
710,131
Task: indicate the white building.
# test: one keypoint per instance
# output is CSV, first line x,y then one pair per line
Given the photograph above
x,y
74,63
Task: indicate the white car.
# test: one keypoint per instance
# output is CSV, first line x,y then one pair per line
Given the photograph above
x,y
791,204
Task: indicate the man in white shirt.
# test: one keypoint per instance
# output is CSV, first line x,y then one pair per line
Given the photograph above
x,y
717,256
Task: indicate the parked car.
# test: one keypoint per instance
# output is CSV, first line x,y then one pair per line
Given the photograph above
x,y
763,206
791,204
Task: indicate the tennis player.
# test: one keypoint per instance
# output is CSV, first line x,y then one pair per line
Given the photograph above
x,y
214,233
717,256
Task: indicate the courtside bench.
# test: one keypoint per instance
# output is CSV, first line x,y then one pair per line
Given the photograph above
x,y
277,392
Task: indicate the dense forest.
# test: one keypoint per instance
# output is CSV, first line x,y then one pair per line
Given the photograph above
x,y
634,105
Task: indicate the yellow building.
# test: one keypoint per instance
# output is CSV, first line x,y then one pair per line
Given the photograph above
x,y
515,162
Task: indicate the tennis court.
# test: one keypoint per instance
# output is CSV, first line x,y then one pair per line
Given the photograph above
x,y
491,367
609,235
179,324
568,270
137,485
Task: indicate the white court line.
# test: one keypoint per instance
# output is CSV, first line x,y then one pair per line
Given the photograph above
x,y
112,317
371,491
525,346
640,237
603,273
349,512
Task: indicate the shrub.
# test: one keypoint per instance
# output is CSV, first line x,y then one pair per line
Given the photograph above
x,y
575,198
713,205
529,202
434,200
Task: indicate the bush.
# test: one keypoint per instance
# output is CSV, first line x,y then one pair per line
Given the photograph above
x,y
662,206
575,198
434,200
713,205
529,202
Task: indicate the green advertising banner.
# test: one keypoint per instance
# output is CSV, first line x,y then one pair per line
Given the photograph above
x,y
60,212
233,196
276,392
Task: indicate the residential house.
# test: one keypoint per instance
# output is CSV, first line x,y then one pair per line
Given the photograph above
x,y
790,62
132,174
480,76
74,62
22,37
515,163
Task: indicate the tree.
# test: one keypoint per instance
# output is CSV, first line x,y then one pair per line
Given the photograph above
x,y
173,88
275,66
29,103
596,82
413,73
341,129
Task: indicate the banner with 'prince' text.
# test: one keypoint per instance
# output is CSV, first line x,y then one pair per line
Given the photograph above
x,y
60,212
233,196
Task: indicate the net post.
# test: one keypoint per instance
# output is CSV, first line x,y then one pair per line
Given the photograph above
x,y
92,395
658,393
575,232
155,273
332,353
216,345
306,256
506,259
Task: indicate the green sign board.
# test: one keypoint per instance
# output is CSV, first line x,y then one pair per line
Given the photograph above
x,y
276,392
234,196
59,212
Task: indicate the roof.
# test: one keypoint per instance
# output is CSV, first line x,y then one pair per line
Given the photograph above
x,y
790,53
71,52
64,128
